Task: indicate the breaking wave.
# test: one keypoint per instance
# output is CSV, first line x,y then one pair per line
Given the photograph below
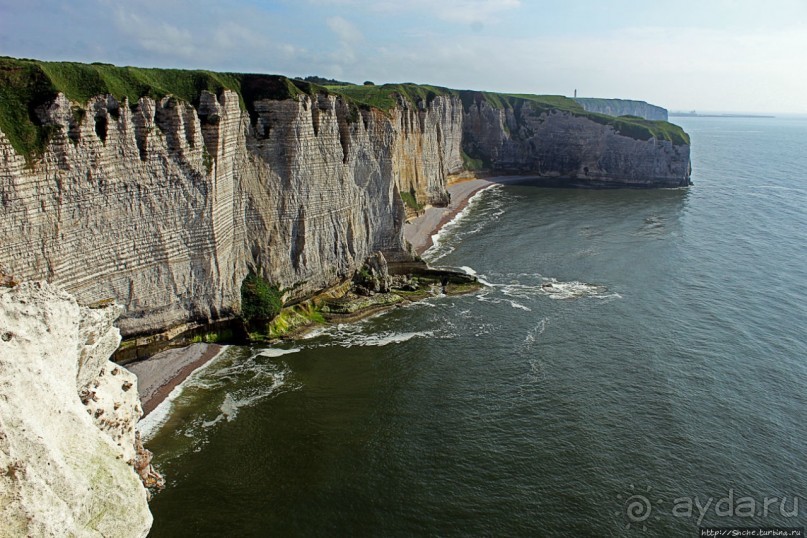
x,y
555,289
217,391
525,286
264,381
354,336
445,241
149,425
279,352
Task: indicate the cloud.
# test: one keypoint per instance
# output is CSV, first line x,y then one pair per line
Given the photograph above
x,y
677,68
349,36
470,11
199,34
456,11
158,37
344,30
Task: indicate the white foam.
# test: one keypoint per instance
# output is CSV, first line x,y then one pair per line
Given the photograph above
x,y
234,402
211,423
555,289
358,334
521,291
438,249
536,373
423,303
248,381
472,272
520,306
574,290
536,331
527,349
149,425
319,331
382,339
485,298
229,407
482,280
277,352
546,287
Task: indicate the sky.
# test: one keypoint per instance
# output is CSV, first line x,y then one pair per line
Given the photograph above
x,y
704,55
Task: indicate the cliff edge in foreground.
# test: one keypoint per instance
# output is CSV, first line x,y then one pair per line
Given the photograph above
x,y
161,190
68,448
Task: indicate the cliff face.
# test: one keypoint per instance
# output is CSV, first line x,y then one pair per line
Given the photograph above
x,y
623,107
569,149
67,418
430,148
165,207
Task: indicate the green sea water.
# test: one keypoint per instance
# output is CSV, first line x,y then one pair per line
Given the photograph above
x,y
634,353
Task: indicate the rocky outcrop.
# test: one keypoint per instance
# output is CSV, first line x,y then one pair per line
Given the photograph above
x,y
374,276
164,206
68,449
623,107
571,150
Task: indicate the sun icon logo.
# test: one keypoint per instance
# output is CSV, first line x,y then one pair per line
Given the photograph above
x,y
637,507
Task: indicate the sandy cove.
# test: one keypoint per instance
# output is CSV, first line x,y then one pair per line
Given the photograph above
x,y
158,375
419,231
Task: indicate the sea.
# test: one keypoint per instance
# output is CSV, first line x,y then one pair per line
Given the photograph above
x,y
635,365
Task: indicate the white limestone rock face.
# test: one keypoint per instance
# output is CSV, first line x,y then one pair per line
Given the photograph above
x,y
428,148
65,467
165,207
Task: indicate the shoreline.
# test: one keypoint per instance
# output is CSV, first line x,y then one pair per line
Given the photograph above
x,y
420,231
160,375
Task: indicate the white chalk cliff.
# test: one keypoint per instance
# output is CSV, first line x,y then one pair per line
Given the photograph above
x,y
68,450
168,212
165,206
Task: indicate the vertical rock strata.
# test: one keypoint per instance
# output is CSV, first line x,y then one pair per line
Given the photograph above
x,y
67,417
430,148
165,206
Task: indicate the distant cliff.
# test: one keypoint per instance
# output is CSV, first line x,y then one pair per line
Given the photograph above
x,y
530,137
162,189
623,107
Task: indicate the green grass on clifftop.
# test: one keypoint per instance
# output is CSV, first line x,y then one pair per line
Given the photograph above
x,y
631,126
25,85
28,84
385,97
642,129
